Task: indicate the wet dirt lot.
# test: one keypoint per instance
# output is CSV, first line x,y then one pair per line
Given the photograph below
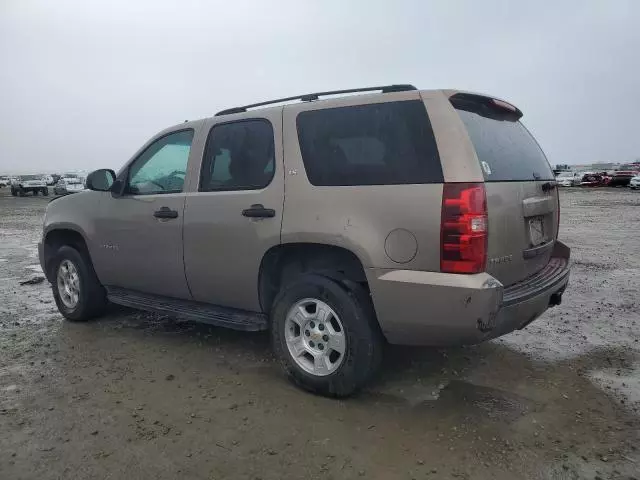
x,y
139,396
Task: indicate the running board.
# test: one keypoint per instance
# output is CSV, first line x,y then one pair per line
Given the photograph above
x,y
190,310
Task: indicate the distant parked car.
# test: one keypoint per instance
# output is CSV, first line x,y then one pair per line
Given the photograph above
x,y
634,183
568,179
67,185
622,178
28,183
4,182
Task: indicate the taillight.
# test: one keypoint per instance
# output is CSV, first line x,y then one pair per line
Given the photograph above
x,y
463,228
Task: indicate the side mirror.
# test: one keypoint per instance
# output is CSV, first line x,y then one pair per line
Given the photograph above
x,y
101,180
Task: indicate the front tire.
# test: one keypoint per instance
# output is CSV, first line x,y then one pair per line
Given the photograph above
x,y
45,192
14,192
326,335
76,289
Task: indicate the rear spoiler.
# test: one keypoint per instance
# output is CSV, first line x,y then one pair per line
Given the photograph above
x,y
485,105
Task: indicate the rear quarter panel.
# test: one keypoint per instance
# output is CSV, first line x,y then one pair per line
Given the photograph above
x,y
360,218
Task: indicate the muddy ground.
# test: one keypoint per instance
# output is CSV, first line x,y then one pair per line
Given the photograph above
x,y
137,396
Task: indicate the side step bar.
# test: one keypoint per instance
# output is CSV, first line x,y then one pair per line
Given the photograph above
x,y
190,310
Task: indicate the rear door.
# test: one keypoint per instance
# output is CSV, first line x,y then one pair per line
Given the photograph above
x,y
235,215
522,198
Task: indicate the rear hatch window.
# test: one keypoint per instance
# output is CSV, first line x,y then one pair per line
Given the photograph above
x,y
505,148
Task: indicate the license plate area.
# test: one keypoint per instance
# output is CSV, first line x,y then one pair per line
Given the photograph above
x,y
537,234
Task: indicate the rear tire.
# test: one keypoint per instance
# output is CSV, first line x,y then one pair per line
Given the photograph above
x,y
362,340
21,192
14,192
80,299
45,192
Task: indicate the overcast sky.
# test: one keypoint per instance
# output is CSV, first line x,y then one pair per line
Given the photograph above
x,y
84,83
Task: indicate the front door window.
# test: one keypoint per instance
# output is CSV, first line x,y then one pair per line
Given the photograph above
x,y
162,167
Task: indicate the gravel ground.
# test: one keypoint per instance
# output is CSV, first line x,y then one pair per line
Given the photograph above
x,y
134,395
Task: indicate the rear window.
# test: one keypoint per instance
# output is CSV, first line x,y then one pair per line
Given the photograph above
x,y
377,144
505,148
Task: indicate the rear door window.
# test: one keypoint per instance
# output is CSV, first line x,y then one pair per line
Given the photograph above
x,y
238,156
505,148
376,144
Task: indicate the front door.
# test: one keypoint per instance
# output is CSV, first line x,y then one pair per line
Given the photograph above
x,y
140,233
236,214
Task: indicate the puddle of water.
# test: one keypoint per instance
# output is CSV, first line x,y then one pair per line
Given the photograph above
x,y
493,403
412,393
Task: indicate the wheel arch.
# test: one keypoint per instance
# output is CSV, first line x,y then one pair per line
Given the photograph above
x,y
284,262
55,238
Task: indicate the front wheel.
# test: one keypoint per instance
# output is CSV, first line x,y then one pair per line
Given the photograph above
x,y
14,192
45,192
326,335
76,288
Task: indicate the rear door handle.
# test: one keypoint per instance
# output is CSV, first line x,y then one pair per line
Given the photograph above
x,y
165,212
258,211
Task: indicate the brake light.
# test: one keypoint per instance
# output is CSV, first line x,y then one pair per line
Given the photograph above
x,y
504,105
463,228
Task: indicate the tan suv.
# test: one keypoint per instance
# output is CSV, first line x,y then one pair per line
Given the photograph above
x,y
412,217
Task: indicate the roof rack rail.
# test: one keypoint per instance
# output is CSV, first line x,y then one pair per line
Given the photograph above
x,y
309,97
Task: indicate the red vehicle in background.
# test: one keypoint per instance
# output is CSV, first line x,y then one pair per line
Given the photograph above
x,y
592,179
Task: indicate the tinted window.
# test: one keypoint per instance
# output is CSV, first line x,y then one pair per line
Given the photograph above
x,y
238,156
161,168
377,144
505,148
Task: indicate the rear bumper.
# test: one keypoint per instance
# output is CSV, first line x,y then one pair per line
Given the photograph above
x,y
430,308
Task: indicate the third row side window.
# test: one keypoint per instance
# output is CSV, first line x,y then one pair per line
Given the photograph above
x,y
375,144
